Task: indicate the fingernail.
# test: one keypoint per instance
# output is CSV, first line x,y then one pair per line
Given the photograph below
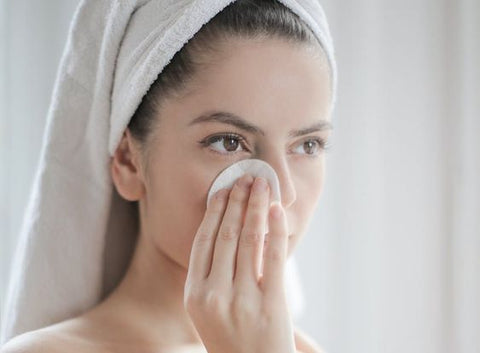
x,y
260,184
276,210
245,181
221,194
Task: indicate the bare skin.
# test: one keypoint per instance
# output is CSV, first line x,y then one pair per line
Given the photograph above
x,y
271,84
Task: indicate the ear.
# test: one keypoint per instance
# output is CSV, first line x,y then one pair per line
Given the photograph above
x,y
126,169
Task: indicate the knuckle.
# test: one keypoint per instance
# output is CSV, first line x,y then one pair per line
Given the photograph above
x,y
203,237
274,255
267,316
237,194
251,237
200,299
215,302
193,298
217,206
243,309
228,233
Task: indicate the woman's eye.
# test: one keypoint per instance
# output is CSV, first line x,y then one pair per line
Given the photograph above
x,y
230,143
225,144
313,147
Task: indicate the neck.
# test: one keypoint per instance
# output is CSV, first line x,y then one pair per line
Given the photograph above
x,y
150,297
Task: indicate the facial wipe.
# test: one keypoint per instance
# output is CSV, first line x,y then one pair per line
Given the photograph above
x,y
254,167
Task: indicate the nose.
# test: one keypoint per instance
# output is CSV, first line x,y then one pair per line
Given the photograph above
x,y
287,186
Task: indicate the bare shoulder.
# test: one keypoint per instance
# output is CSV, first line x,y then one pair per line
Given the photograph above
x,y
61,337
33,341
305,343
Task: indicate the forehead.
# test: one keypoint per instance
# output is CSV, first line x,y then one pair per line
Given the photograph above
x,y
267,80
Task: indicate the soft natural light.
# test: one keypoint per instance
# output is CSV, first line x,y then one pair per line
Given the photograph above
x,y
391,259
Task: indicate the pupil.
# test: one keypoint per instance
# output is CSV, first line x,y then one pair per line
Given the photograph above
x,y
229,146
309,143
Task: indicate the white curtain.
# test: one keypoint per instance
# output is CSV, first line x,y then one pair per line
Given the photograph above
x,y
391,261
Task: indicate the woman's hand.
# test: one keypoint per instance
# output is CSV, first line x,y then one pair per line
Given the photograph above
x,y
233,307
306,344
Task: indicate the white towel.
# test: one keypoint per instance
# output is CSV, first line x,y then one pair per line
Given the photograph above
x,y
77,232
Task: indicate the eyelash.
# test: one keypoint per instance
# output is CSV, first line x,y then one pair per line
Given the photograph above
x,y
206,142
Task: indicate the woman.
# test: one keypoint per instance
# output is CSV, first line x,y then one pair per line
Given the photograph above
x,y
254,82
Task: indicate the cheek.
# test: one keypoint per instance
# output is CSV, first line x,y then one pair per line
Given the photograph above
x,y
308,195
309,188
181,205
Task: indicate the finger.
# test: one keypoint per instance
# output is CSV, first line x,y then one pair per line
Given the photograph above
x,y
223,263
305,343
275,252
250,244
203,243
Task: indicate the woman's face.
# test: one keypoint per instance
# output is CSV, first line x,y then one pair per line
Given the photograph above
x,y
278,88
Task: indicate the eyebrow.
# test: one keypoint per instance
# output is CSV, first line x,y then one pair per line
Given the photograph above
x,y
235,120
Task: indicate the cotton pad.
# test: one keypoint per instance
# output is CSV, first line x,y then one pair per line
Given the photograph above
x,y
254,167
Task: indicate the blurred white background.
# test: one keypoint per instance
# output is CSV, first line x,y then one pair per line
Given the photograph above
x,y
391,262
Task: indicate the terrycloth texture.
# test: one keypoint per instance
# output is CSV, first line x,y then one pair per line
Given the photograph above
x,y
78,233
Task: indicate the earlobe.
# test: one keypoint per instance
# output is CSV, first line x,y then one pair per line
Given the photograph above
x,y
125,171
